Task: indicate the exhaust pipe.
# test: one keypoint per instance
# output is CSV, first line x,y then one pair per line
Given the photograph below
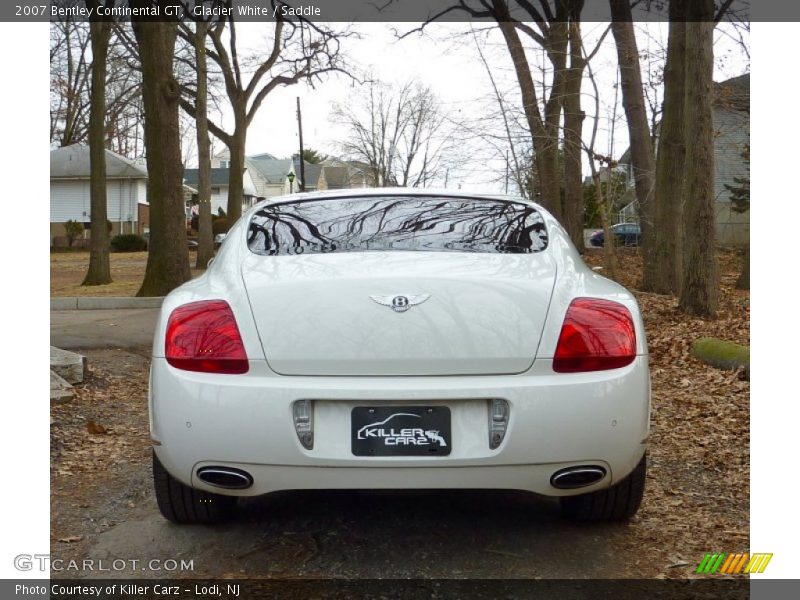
x,y
225,477
577,477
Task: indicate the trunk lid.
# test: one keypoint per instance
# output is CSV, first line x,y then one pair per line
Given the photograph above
x,y
338,314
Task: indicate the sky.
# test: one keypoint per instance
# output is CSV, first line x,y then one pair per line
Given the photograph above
x,y
446,60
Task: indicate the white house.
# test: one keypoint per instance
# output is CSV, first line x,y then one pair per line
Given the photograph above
x,y
731,137
270,175
70,199
219,187
264,177
337,174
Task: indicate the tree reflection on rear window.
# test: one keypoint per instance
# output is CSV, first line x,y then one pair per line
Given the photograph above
x,y
397,223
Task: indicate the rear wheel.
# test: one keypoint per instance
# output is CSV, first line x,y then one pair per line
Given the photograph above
x,y
180,503
617,503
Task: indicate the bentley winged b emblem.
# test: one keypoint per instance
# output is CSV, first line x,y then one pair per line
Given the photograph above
x,y
402,302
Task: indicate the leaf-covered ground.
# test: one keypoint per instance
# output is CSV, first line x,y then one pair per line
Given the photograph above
x,y
99,451
698,484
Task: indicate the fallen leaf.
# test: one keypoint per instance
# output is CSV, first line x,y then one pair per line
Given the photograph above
x,y
95,428
71,539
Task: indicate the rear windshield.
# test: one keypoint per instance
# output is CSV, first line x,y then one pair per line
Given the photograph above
x,y
397,223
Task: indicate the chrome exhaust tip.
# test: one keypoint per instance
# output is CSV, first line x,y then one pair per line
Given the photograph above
x,y
225,477
577,477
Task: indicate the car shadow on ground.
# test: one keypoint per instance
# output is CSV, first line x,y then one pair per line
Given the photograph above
x,y
379,534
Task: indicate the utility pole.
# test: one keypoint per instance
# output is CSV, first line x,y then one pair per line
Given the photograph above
x,y
302,185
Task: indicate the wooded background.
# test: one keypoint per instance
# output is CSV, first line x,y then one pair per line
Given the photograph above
x,y
153,89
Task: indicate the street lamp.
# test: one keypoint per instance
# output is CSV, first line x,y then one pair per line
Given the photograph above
x,y
290,177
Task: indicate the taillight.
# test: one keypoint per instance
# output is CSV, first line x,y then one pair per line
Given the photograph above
x,y
203,336
596,335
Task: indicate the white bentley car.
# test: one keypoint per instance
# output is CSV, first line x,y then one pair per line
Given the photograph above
x,y
398,338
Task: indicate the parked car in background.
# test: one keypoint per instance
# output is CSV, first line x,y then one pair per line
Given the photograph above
x,y
626,234
399,338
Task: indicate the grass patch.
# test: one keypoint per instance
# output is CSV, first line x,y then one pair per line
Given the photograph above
x,y
67,270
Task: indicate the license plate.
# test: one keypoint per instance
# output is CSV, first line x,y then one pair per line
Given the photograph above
x,y
401,431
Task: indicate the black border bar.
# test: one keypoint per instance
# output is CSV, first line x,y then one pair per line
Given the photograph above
x,y
710,588
372,11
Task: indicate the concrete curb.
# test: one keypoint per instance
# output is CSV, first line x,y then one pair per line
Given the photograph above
x,y
67,365
103,303
60,389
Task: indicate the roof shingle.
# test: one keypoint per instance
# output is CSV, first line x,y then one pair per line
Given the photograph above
x,y
218,176
73,162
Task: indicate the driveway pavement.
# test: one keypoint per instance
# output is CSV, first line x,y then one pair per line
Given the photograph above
x,y
374,534
120,328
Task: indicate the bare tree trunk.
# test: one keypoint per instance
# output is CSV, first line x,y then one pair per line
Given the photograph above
x,y
698,294
236,146
549,162
168,258
99,272
205,243
642,159
573,130
547,169
512,165
743,282
73,99
603,205
671,160
610,260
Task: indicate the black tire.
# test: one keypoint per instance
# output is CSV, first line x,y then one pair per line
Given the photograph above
x,y
617,503
180,503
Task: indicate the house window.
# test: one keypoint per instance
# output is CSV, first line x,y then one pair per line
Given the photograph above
x,y
215,190
224,164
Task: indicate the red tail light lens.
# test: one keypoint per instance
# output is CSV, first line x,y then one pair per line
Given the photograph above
x,y
596,335
203,336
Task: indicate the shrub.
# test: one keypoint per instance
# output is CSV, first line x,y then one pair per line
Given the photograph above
x,y
220,225
73,230
129,242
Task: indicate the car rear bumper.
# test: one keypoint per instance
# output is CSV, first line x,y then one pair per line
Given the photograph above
x,y
272,478
245,421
